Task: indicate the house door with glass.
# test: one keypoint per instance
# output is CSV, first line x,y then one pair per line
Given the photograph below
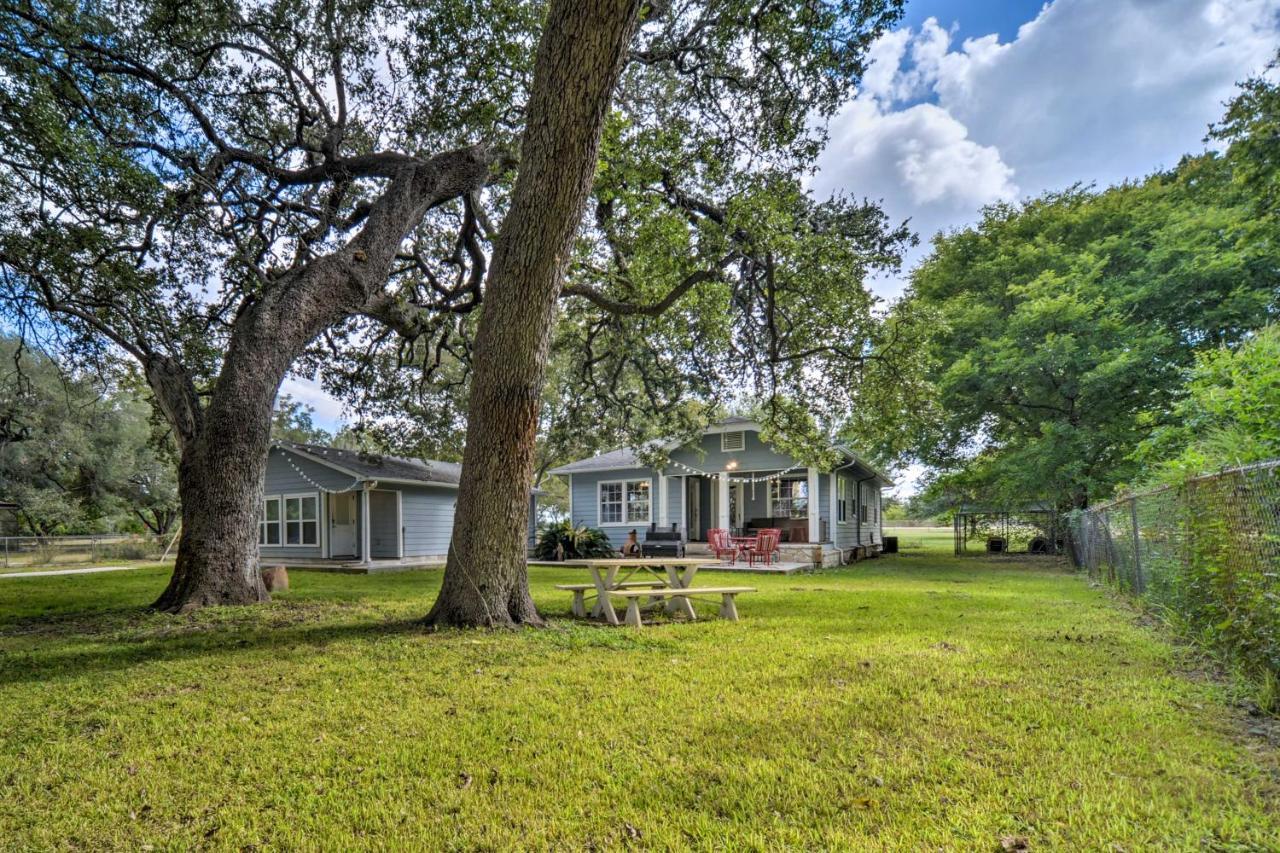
x,y
342,525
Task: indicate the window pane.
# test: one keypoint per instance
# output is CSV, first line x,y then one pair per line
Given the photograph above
x,y
293,533
610,513
292,508
309,508
310,533
273,534
638,490
273,509
638,511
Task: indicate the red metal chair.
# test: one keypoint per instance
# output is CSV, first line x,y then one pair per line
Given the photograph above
x,y
766,547
721,544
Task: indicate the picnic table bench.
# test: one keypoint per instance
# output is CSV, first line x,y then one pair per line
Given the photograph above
x,y
667,575
580,590
728,610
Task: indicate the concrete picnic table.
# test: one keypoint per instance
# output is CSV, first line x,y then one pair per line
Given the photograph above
x,y
605,571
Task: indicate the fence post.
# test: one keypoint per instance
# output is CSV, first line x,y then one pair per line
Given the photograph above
x,y
1139,581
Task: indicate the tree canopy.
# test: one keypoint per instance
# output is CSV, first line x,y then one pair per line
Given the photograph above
x,y
1063,318
228,191
81,451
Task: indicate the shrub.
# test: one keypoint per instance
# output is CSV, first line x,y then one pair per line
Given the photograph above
x,y
578,542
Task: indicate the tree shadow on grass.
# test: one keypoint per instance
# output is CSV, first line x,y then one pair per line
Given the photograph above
x,y
73,645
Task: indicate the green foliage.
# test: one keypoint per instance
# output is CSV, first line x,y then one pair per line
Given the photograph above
x,y
79,453
707,275
1065,316
578,542
293,421
1229,414
1252,128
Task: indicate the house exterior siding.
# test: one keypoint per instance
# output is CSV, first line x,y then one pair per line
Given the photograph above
x,y
586,501
425,511
428,520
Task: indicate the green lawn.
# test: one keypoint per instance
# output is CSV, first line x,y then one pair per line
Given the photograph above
x,y
913,702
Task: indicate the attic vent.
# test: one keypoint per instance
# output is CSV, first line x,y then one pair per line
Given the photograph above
x,y
731,441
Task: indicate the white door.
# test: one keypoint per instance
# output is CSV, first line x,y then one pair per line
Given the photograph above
x,y
342,525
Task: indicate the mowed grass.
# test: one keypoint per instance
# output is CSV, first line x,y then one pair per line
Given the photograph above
x,y
906,703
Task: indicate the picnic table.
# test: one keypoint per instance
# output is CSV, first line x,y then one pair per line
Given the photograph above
x,y
666,572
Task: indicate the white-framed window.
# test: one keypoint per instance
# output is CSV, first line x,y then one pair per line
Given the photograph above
x,y
842,498
789,498
625,502
863,512
732,442
302,520
269,522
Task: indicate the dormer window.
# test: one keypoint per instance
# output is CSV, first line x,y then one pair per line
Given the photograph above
x,y
731,442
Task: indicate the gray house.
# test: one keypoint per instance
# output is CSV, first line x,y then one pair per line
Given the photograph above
x,y
329,508
731,479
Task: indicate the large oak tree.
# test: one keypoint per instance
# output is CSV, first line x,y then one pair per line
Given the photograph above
x,y
220,188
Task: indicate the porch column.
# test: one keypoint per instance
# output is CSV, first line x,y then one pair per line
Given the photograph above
x,y
815,508
662,501
365,538
723,494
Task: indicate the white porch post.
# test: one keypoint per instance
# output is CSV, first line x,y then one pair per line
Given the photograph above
x,y
815,508
662,501
365,538
723,493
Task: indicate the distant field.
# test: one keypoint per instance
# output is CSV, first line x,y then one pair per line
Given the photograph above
x,y
922,538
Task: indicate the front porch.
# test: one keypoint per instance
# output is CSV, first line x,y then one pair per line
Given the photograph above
x,y
355,567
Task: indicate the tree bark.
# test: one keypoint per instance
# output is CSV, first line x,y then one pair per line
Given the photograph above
x,y
224,445
580,57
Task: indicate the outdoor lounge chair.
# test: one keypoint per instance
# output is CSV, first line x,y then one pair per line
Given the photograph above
x,y
721,544
765,548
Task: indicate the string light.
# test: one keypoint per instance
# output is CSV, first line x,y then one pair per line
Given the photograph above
x,y
777,475
354,483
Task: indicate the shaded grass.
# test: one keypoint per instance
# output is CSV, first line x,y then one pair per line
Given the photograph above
x,y
910,702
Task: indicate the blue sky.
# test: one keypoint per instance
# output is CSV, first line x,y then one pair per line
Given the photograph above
x,y
974,17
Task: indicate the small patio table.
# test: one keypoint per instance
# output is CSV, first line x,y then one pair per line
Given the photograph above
x,y
743,544
605,571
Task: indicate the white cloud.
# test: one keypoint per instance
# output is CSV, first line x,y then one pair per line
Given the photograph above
x,y
330,413
1090,90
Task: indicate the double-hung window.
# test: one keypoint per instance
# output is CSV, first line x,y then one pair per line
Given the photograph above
x,y
301,520
789,498
625,502
842,498
863,494
269,523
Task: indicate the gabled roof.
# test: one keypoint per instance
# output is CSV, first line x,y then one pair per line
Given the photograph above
x,y
375,466
613,460
625,457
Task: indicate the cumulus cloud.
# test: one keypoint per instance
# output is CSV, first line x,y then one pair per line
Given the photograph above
x,y
1089,90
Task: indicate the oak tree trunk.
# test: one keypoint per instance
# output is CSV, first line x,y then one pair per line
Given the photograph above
x,y
580,56
224,444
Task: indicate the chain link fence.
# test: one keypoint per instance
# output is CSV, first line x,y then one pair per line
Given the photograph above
x,y
1206,553
36,552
